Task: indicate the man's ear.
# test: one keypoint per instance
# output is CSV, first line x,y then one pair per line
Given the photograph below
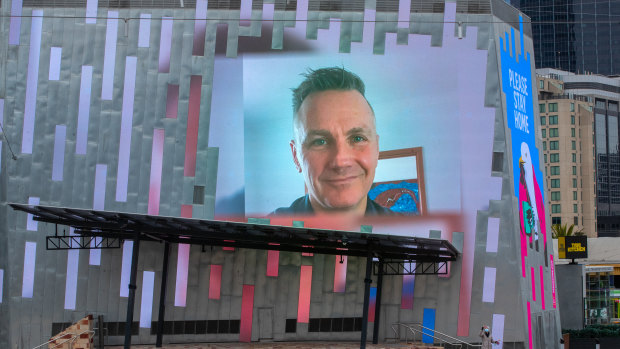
x,y
294,152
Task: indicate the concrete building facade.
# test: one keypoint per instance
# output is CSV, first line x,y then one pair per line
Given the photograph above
x,y
566,122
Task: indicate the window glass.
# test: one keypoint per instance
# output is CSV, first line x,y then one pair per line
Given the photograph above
x,y
574,145
553,132
554,145
555,170
574,182
572,107
575,170
544,145
572,119
541,107
556,208
574,195
553,119
555,196
553,107
555,183
572,132
544,133
543,119
555,157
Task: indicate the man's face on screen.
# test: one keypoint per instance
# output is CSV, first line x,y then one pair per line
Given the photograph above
x,y
336,147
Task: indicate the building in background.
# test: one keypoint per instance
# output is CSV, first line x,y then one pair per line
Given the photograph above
x,y
604,92
566,129
580,36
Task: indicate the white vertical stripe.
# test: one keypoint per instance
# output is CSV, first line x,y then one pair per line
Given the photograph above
x,y
488,286
245,12
144,33
165,44
492,234
109,57
124,148
81,141
55,57
30,254
146,304
31,224
126,267
73,259
16,22
497,330
58,162
101,172
180,288
1,283
32,81
404,8
91,11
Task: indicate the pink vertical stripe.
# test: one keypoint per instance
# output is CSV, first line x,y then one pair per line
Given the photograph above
x,y
552,281
124,148
406,298
180,288
186,211
247,309
200,28
55,57
273,260
165,44
32,81
31,224
305,286
542,287
372,305
91,11
81,141
101,172
340,274
193,116
30,255
529,325
533,284
16,22
157,155
523,253
144,32
58,162
109,56
172,101
180,293
215,281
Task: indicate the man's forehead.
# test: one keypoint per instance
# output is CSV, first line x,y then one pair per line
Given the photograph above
x,y
335,105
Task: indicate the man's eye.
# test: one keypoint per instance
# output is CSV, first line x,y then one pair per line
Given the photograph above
x,y
358,139
318,142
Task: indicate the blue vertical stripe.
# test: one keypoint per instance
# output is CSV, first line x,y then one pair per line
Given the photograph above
x,y
428,321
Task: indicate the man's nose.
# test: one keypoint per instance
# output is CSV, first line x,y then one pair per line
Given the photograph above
x,y
342,154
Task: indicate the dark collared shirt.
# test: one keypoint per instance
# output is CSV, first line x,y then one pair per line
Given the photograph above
x,y
302,206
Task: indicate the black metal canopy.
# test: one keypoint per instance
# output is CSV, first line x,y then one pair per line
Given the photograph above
x,y
120,226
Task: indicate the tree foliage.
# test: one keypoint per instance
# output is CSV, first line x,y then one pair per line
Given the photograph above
x,y
559,230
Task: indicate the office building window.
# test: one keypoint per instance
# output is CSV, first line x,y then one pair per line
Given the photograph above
x,y
543,119
572,132
544,133
555,170
600,104
555,157
553,132
553,107
541,85
572,119
555,196
556,208
556,220
553,119
555,183
572,107
574,157
545,158
541,107
575,220
575,208
575,170
573,145
574,182
574,195
554,145
613,106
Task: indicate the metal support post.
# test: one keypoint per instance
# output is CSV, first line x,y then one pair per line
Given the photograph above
x,y
162,297
132,290
367,282
375,331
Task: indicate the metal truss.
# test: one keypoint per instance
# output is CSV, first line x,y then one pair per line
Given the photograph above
x,y
411,267
78,242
